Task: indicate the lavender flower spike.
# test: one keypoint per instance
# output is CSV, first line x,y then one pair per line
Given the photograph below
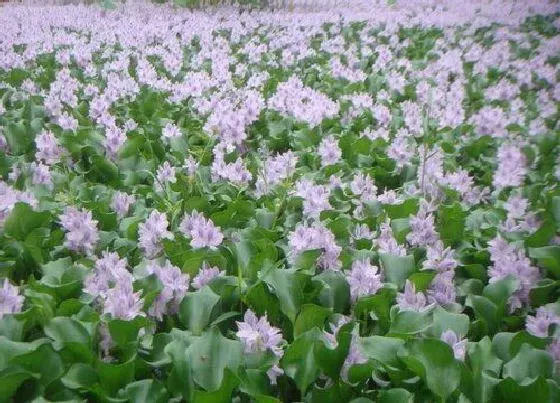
x,y
10,300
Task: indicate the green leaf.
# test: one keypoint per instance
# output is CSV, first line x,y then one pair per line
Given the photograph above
x,y
306,259
379,304
529,363
67,330
451,223
500,291
481,361
410,323
537,390
210,355
309,317
80,376
19,139
43,362
397,268
548,257
72,337
396,395
124,332
253,382
10,381
22,220
381,349
299,361
115,376
331,360
180,379
335,291
221,395
10,349
146,391
196,309
288,286
63,277
434,362
444,320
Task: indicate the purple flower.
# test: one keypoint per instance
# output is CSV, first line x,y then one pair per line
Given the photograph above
x,y
410,300
81,230
315,197
386,242
205,275
109,270
48,149
152,232
459,346
554,350
442,289
306,237
257,334
191,165
512,167
292,98
165,174
364,279
122,302
121,203
354,356
114,139
509,260
275,170
423,231
10,300
363,186
171,131
3,143
41,174
175,286
329,151
539,324
401,151
203,232
439,258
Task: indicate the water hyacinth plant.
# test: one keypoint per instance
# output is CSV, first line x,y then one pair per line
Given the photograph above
x,y
300,202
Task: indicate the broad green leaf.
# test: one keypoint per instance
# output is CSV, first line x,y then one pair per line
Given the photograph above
x,y
10,381
548,257
331,360
451,223
222,394
444,320
80,376
381,349
397,268
529,363
288,286
379,304
43,362
335,292
482,362
22,220
196,308
299,362
309,317
146,391
210,355
397,395
113,377
434,362
410,323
